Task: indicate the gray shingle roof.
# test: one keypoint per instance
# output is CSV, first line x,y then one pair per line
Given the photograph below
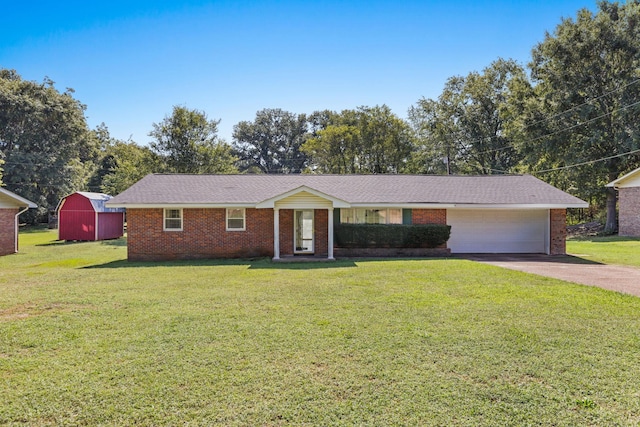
x,y
168,189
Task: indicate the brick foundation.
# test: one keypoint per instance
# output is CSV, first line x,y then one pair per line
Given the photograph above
x,y
392,252
8,230
629,211
558,231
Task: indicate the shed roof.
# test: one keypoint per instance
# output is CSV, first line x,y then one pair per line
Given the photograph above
x,y
8,197
97,200
249,190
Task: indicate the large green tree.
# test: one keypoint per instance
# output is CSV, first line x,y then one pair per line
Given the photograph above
x,y
188,142
463,130
364,140
122,163
45,141
583,106
271,143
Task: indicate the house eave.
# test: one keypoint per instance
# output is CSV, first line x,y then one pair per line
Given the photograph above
x,y
168,205
521,205
617,183
20,201
472,205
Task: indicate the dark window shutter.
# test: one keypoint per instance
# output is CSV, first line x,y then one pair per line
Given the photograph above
x,y
407,216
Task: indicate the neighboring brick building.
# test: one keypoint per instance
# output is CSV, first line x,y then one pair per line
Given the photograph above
x,y
218,216
11,205
628,187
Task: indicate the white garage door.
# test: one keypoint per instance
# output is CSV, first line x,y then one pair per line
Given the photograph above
x,y
498,231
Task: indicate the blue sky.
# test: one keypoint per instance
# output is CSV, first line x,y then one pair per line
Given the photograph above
x,y
131,61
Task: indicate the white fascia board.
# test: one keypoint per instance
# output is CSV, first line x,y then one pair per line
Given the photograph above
x,y
616,183
270,203
20,201
520,206
403,205
179,205
468,206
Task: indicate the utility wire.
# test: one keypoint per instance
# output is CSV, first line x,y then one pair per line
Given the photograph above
x,y
455,133
564,129
587,163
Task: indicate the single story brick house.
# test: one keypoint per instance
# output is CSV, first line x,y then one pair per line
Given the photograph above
x,y
11,206
628,187
214,216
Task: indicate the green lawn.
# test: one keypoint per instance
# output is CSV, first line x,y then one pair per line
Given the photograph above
x,y
607,250
89,339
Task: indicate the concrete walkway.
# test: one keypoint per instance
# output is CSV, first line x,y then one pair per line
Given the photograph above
x,y
570,268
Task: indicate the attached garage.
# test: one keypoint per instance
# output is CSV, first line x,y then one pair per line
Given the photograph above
x,y
498,231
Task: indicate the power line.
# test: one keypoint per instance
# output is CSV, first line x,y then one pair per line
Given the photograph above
x,y
455,133
584,103
587,163
564,129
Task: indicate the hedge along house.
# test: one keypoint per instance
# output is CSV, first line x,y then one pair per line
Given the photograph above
x,y
84,216
11,206
212,216
628,187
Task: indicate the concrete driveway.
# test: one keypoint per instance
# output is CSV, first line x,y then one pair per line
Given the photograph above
x,y
570,268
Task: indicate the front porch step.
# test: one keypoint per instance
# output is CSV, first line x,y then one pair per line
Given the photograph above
x,y
304,258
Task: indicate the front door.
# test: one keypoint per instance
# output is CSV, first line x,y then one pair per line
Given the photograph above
x,y
303,231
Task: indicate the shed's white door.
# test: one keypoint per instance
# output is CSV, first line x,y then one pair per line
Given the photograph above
x,y
498,231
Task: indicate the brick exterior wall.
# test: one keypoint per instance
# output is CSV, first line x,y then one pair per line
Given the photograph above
x,y
629,211
429,216
204,235
558,231
286,232
321,235
8,230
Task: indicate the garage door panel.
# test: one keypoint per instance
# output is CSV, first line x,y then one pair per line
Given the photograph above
x,y
497,231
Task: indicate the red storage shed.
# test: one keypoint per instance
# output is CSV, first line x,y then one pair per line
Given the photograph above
x,y
83,216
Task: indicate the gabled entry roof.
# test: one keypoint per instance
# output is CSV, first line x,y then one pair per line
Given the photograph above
x,y
160,190
270,203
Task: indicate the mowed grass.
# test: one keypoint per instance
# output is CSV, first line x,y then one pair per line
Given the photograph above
x,y
87,338
607,249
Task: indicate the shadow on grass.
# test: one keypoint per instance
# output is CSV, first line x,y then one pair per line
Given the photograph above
x,y
259,263
122,241
29,229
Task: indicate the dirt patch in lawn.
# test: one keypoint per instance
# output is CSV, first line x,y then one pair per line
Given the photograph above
x,y
24,311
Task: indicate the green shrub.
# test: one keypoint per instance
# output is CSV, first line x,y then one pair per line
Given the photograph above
x,y
391,236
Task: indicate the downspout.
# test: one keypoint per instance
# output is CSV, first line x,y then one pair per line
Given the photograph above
x,y
17,226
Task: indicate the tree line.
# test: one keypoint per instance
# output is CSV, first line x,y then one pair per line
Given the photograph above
x,y
570,117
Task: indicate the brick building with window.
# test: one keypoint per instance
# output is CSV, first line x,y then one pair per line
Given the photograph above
x,y
221,216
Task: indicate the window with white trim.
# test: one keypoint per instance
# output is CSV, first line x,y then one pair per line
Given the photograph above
x,y
236,219
173,220
371,216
